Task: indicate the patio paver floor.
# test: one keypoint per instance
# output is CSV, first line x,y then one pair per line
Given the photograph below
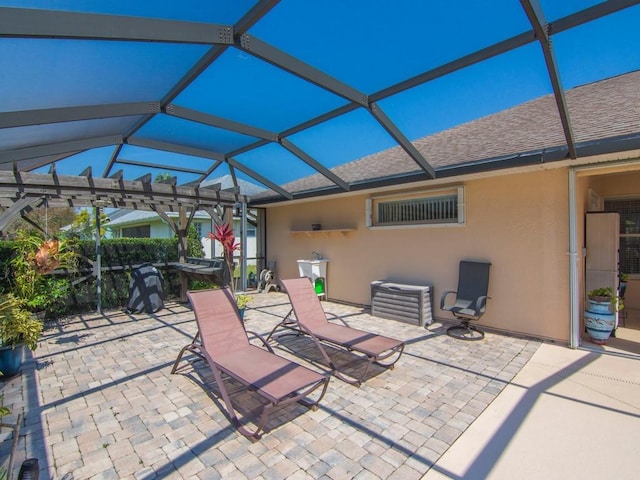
x,y
100,403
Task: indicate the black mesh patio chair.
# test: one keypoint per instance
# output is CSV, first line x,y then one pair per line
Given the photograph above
x,y
470,299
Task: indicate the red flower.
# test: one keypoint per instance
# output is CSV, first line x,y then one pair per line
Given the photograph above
x,y
224,235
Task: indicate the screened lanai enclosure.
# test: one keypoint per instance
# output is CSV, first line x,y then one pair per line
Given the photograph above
x,y
297,98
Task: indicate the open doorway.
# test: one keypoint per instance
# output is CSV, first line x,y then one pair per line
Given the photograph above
x,y
614,189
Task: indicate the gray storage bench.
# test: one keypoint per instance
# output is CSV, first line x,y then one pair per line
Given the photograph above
x,y
405,303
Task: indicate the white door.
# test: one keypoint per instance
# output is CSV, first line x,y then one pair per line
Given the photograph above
x,y
602,242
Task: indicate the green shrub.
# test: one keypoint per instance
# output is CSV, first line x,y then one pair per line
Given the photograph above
x,y
17,324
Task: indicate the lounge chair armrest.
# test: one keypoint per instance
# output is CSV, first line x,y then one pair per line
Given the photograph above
x,y
444,297
264,342
481,304
333,316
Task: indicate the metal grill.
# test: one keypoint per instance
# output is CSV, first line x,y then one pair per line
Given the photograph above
x,y
419,210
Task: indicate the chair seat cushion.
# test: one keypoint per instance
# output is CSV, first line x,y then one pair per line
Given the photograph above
x,y
463,311
358,340
275,377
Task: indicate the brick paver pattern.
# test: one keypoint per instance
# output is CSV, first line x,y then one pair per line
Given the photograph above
x,y
99,401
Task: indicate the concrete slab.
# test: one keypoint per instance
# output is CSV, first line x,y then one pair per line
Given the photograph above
x,y
567,414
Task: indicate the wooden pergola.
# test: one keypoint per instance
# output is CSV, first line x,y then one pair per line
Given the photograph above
x,y
21,192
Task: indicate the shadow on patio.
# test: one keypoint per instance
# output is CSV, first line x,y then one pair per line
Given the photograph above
x,y
99,402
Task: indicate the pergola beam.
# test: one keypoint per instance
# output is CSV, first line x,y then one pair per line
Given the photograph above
x,y
19,207
90,188
32,23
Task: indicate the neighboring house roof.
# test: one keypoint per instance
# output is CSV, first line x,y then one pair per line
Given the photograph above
x,y
131,217
600,110
226,183
113,214
123,217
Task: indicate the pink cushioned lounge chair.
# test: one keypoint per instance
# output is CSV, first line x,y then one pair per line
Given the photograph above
x,y
223,342
311,319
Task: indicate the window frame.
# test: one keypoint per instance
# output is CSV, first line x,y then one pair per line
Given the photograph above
x,y
374,201
125,231
623,236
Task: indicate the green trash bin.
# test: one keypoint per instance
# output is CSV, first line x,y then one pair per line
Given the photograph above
x,y
319,286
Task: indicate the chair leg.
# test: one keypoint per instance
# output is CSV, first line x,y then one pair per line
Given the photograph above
x,y
370,360
287,323
393,351
193,347
268,408
465,331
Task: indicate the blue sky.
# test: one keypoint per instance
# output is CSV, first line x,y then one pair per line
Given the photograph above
x,y
367,45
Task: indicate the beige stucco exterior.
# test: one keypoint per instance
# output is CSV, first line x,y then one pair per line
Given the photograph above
x,y
517,222
517,219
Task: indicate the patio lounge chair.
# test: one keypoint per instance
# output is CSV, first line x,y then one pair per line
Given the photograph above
x,y
471,299
223,342
311,319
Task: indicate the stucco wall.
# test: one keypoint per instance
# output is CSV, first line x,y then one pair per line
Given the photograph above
x,y
518,222
159,229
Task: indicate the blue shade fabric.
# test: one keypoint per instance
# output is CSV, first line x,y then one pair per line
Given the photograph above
x,y
67,73
304,98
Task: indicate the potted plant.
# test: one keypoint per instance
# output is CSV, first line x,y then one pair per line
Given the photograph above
x,y
242,300
600,315
224,235
18,329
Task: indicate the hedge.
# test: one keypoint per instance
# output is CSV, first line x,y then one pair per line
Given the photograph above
x,y
124,252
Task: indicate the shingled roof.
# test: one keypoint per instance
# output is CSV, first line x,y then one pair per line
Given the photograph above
x,y
600,111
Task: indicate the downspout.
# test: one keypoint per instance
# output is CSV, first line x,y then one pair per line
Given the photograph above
x,y
243,246
98,264
574,300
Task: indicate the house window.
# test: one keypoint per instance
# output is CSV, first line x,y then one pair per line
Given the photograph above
x,y
142,231
198,227
431,207
629,210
